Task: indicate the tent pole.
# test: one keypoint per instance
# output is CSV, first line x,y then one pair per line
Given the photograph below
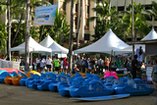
x,y
110,60
31,60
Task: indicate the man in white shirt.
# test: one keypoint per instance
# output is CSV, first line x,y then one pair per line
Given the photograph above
x,y
42,64
49,63
140,54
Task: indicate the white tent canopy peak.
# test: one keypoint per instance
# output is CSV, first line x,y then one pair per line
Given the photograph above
x,y
33,46
150,36
109,42
54,46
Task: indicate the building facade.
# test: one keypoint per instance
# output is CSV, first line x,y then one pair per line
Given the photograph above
x,y
87,27
120,4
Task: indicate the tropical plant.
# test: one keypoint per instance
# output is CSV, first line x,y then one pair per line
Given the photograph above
x,y
3,38
19,25
60,30
125,24
3,34
152,13
106,18
154,9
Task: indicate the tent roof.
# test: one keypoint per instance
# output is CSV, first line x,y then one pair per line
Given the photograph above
x,y
54,46
58,48
47,41
32,45
109,42
150,36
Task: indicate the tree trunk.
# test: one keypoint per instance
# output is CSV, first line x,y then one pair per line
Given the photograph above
x,y
71,36
78,22
27,34
109,6
83,19
125,5
41,32
153,21
9,28
133,29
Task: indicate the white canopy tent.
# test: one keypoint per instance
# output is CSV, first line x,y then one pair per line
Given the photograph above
x,y
54,46
47,41
33,46
109,42
150,41
152,35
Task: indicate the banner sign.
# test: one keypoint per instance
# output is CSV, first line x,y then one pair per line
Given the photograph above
x,y
9,64
149,73
45,15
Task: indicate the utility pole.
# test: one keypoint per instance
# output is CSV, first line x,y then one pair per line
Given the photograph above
x,y
27,34
9,28
133,29
71,36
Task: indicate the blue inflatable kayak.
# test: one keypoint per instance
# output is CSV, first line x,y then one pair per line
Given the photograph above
x,y
102,98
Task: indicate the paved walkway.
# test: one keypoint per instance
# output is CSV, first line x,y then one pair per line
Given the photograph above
x,y
18,95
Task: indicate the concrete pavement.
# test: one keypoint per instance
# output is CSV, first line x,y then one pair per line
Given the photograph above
x,y
19,95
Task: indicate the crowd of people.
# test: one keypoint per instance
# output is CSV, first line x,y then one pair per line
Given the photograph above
x,y
44,64
84,64
96,65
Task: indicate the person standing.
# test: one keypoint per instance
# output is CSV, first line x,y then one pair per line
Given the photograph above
x,y
65,65
107,63
135,66
84,65
42,64
140,55
154,75
56,63
49,63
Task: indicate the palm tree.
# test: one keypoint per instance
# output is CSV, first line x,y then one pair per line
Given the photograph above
x,y
9,27
3,37
133,28
60,30
106,18
3,31
71,35
152,12
78,21
27,34
140,25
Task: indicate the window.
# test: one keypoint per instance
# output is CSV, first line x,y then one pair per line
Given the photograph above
x,y
86,36
147,7
121,8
